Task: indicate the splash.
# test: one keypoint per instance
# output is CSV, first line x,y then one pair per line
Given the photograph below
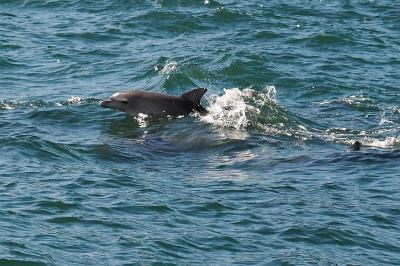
x,y
8,105
245,109
238,109
13,104
388,142
168,68
142,119
37,104
356,100
74,100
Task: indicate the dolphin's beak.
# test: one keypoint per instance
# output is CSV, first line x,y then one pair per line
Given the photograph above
x,y
105,103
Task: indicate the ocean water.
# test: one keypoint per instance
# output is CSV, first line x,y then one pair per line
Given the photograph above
x,y
267,177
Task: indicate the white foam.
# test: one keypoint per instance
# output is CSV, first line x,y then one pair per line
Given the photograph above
x,y
350,100
385,143
168,68
74,100
233,110
142,119
241,109
388,142
356,99
6,106
230,110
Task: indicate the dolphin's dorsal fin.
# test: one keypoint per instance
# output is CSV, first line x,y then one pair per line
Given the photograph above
x,y
194,95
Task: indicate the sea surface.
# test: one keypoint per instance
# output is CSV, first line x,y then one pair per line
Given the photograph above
x,y
267,177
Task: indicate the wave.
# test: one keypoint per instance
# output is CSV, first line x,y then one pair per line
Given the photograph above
x,y
249,109
42,148
73,100
234,110
168,68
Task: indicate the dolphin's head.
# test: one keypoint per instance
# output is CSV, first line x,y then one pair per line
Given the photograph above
x,y
121,101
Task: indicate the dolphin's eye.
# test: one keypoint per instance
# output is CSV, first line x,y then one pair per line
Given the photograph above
x,y
125,102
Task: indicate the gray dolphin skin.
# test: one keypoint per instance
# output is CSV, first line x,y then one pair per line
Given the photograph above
x,y
151,103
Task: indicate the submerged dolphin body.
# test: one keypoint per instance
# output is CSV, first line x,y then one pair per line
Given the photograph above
x,y
134,102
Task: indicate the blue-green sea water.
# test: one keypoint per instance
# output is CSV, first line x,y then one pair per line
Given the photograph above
x,y
267,177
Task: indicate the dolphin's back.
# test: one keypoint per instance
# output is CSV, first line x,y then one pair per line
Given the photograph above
x,y
153,103
157,103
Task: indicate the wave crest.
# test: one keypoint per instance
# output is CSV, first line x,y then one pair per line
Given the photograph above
x,y
250,109
238,109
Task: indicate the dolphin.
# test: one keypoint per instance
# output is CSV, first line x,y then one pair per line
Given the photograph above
x,y
356,146
151,103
